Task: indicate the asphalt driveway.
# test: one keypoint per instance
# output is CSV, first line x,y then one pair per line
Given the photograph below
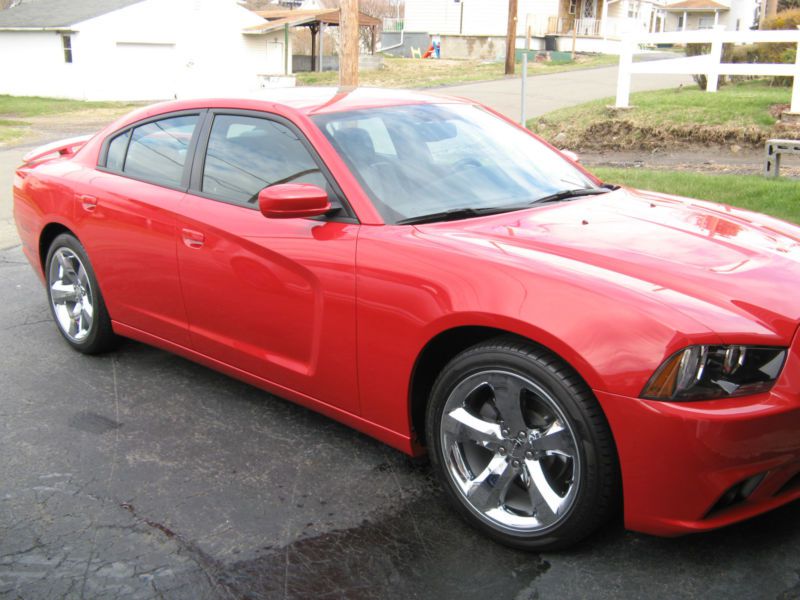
x,y
140,475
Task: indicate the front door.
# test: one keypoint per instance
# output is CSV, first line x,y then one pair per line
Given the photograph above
x,y
273,297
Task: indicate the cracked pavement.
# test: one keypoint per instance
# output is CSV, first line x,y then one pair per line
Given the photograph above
x,y
138,474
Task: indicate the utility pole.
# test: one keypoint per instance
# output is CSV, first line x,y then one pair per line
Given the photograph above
x,y
348,56
511,37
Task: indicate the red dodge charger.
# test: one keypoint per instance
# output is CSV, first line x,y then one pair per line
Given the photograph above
x,y
433,275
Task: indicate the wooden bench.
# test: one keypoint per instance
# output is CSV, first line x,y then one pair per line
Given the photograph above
x,y
774,149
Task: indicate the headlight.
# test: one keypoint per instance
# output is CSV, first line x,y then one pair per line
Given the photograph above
x,y
706,372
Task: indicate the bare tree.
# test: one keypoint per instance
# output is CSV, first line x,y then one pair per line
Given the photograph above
x,y
374,8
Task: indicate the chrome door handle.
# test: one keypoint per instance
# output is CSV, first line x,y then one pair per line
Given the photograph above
x,y
192,238
89,203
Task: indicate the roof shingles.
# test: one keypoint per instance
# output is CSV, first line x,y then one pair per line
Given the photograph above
x,y
41,14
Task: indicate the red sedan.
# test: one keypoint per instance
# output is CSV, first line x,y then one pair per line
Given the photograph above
x,y
429,273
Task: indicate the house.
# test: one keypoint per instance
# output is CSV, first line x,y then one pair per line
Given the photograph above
x,y
477,28
705,14
136,49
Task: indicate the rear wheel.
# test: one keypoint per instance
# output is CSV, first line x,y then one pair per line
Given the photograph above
x,y
521,445
75,300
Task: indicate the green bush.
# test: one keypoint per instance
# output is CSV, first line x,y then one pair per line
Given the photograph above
x,y
771,53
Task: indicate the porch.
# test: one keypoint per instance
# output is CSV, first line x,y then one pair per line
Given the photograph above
x,y
606,18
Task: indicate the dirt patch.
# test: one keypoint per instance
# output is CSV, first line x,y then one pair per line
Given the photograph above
x,y
710,159
616,133
620,134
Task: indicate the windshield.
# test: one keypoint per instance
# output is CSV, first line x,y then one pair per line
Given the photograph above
x,y
427,159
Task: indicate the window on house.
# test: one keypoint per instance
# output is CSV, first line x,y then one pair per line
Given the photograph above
x,y
573,6
705,23
680,22
738,24
66,42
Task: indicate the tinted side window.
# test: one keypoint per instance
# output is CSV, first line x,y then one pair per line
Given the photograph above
x,y
116,151
247,154
157,150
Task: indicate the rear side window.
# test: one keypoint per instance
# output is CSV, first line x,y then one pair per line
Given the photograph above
x,y
155,152
116,151
247,154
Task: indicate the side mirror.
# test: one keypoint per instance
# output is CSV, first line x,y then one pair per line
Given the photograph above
x,y
571,155
293,201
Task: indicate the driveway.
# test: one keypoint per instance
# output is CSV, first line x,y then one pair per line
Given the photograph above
x,y
550,92
140,475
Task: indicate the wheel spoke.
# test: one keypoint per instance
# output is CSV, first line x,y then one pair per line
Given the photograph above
x,y
466,427
541,492
488,490
82,276
86,315
508,400
73,329
556,440
62,292
67,269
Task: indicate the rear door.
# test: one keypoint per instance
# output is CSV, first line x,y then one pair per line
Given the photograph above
x,y
127,214
273,297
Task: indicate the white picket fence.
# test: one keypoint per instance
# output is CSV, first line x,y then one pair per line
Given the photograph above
x,y
710,64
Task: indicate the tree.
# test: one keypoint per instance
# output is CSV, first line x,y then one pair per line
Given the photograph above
x,y
374,8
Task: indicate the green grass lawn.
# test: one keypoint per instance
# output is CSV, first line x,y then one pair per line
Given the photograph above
x,y
34,106
737,113
416,73
777,197
15,109
738,105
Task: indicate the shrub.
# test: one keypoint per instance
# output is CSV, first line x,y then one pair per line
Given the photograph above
x,y
771,53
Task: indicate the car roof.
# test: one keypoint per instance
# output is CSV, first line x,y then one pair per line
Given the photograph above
x,y
316,100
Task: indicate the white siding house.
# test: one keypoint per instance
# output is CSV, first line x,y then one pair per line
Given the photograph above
x,y
474,17
597,24
134,49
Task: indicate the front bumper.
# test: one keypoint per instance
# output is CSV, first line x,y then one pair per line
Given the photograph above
x,y
684,464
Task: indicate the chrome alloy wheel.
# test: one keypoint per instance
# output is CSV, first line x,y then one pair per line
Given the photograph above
x,y
71,294
510,451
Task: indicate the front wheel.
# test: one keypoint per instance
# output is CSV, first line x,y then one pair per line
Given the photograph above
x,y
521,446
76,303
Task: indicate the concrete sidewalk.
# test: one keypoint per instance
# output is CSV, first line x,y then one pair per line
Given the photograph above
x,y
558,90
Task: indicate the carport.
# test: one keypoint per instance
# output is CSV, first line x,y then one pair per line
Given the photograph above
x,y
316,21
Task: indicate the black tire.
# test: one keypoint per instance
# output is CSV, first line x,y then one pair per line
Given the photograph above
x,y
74,296
542,485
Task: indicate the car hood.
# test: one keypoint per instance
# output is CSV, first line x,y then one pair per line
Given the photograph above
x,y
718,256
